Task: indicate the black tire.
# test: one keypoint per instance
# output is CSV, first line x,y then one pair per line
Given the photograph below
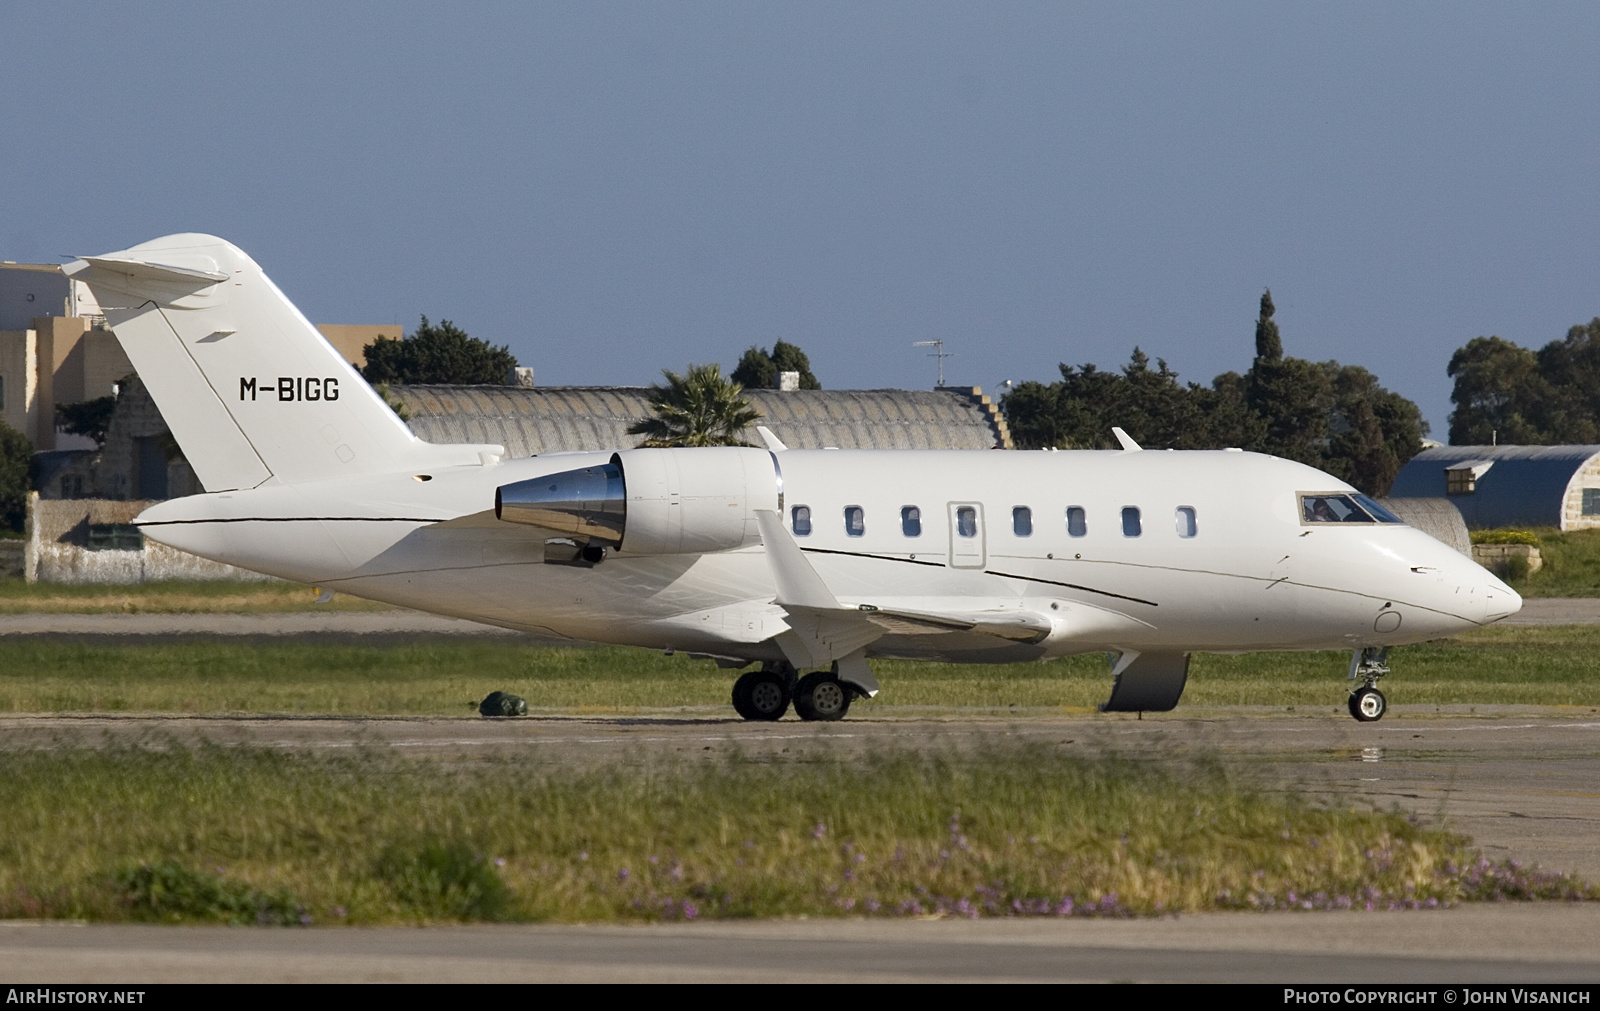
x,y
761,695
1368,705
822,697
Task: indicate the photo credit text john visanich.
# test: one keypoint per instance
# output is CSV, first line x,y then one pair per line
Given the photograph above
x,y
1445,995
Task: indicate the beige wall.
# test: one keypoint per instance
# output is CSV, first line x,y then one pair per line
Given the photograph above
x,y
19,373
87,363
350,339
63,336
105,365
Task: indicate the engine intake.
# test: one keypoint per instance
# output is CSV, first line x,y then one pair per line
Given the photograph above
x,y
654,501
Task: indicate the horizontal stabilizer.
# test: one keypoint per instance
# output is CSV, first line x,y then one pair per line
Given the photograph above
x,y
153,271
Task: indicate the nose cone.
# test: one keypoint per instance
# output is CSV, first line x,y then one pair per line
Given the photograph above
x,y
1500,600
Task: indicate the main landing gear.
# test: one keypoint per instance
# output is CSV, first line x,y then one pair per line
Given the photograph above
x,y
765,694
1367,704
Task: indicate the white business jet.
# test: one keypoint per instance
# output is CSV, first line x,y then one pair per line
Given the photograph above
x,y
793,560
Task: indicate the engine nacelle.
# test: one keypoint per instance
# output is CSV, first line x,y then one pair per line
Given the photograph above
x,y
654,501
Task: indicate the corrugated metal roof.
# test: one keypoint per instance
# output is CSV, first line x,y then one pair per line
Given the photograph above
x,y
1437,517
555,418
1525,486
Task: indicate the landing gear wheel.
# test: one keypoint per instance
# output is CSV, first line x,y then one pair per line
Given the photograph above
x,y
821,696
761,695
1368,704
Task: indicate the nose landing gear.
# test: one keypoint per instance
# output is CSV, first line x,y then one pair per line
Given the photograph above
x,y
1367,665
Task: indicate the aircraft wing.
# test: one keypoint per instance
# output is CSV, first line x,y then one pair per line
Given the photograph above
x,y
822,629
1022,626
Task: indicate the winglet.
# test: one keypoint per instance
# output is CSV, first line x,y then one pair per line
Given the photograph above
x,y
798,583
773,442
1127,440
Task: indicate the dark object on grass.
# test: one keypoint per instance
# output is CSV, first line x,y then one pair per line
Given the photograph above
x,y
503,704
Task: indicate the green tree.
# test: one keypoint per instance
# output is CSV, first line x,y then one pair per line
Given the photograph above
x,y
1151,405
87,417
16,477
759,369
1498,394
437,354
1571,371
701,408
1292,396
1334,417
1269,343
1372,431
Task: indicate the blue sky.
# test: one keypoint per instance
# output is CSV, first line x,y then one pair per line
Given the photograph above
x,y
612,189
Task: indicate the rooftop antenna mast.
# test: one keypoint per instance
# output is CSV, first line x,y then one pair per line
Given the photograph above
x,y
938,352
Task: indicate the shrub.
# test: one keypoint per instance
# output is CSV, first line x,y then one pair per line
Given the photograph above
x,y
170,891
445,881
1506,536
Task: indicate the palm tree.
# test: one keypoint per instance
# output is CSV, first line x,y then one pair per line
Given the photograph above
x,y
699,409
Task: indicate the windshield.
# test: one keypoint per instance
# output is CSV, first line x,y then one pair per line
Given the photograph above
x,y
1332,508
1377,511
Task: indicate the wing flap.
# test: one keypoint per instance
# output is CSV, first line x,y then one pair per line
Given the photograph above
x,y
1020,626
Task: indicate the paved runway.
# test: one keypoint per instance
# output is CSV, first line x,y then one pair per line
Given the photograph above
x,y
1521,943
403,622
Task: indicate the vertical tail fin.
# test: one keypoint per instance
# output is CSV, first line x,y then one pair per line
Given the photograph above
x,y
251,391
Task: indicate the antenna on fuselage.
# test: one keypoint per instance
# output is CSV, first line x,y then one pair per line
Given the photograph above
x,y
1127,440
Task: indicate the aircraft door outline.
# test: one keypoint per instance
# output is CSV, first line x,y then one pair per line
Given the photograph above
x,y
967,535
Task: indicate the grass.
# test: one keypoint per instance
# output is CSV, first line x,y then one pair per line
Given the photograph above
x,y
187,597
1571,565
252,836
1553,666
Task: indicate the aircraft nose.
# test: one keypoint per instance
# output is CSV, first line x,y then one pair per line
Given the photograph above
x,y
1500,600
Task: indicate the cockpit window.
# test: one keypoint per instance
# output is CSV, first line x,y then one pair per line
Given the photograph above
x,y
1332,508
1377,511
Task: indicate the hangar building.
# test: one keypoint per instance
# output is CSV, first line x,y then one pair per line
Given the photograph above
x,y
1510,486
548,419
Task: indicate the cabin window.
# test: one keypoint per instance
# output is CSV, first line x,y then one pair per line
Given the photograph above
x,y
1130,521
1022,521
967,521
855,521
1186,521
1591,501
802,520
1332,508
1077,525
911,521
